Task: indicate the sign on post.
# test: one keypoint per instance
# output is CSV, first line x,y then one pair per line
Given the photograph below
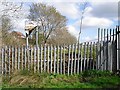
x,y
29,27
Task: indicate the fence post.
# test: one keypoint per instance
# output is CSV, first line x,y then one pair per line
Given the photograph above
x,y
72,47
101,51
81,57
61,59
24,60
114,49
19,57
90,56
9,50
118,48
51,51
110,52
75,49
41,58
64,59
2,61
104,50
38,58
87,56
69,48
34,60
48,59
98,50
15,60
22,50
31,57
54,59
78,59
58,59
84,67
5,61
107,52
94,50
44,58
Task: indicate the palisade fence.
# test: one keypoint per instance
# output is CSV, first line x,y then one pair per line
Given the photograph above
x,y
66,59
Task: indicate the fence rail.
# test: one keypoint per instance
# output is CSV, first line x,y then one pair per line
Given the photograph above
x,y
71,59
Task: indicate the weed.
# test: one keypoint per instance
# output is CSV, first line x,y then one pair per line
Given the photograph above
x,y
88,79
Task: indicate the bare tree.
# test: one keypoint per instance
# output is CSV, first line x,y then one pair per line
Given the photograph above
x,y
48,18
81,20
8,10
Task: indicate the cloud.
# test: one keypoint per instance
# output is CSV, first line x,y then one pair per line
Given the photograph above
x,y
60,0
87,38
72,30
98,14
93,22
88,11
105,9
93,1
70,10
96,22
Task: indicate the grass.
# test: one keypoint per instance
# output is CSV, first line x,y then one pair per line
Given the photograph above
x,y
87,79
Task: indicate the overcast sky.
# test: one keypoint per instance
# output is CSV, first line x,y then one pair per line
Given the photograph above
x,y
99,14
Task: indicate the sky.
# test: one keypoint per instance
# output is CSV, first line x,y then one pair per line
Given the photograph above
x,y
98,14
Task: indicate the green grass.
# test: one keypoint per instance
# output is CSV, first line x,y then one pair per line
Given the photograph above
x,y
87,79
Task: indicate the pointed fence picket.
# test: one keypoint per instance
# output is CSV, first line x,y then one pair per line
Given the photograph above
x,y
52,59
65,59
